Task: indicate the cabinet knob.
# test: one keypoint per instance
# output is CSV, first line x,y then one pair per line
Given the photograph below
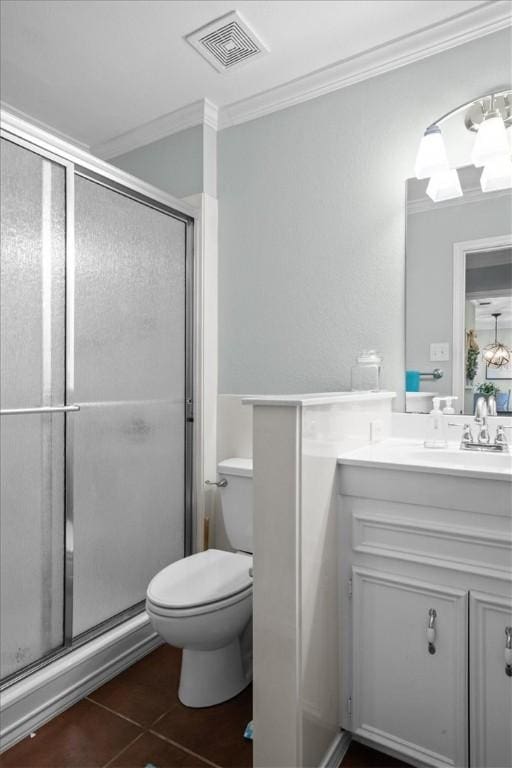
x,y
508,651
431,631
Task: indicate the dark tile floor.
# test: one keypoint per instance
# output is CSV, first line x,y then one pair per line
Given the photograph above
x,y
136,719
359,756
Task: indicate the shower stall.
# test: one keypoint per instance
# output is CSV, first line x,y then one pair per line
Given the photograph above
x,y
96,397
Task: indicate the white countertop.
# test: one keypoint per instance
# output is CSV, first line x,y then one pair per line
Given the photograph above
x,y
317,398
412,456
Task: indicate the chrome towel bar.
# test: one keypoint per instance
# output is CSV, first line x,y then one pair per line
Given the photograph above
x,y
41,409
437,373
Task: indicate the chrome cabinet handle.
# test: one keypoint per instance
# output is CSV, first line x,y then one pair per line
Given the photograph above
x,y
220,483
42,409
508,651
431,631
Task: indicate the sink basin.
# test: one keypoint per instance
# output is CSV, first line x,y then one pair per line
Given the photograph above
x,y
412,455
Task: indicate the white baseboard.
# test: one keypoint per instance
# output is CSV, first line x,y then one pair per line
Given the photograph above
x,y
337,750
31,702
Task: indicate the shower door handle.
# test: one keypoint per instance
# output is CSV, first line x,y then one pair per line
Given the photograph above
x,y
41,409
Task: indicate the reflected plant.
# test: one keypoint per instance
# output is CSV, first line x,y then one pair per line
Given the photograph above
x,y
472,352
487,388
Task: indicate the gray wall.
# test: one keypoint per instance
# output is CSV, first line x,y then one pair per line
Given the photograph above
x,y
173,164
491,278
311,241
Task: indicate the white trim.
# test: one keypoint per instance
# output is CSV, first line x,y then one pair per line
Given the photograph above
x,y
459,29
202,112
471,195
401,749
477,22
205,362
459,297
23,116
337,750
27,705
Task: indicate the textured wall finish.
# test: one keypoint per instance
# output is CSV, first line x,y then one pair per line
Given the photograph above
x,y
174,164
311,242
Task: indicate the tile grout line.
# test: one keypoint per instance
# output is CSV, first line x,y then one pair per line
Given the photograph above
x,y
184,749
118,714
160,717
118,754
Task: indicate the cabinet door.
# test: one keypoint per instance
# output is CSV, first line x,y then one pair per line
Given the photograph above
x,y
407,696
490,688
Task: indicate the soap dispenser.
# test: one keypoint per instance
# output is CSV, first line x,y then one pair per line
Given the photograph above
x,y
436,428
449,409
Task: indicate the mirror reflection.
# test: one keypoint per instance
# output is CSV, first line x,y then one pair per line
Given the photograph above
x,y
458,296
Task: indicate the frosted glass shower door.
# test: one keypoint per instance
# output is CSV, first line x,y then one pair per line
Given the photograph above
x,y
32,344
129,467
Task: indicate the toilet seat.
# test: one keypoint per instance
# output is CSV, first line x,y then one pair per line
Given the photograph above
x,y
201,583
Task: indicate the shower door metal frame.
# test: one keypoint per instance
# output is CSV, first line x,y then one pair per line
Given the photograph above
x,y
85,165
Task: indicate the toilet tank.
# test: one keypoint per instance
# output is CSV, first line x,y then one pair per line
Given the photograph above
x,y
237,502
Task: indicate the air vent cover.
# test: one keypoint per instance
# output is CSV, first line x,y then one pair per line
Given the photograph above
x,y
227,42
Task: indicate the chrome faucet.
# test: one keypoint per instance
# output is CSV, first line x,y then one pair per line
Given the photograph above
x,y
481,414
491,406
484,407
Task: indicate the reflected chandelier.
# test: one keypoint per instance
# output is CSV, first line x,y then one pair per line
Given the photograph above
x,y
490,117
496,355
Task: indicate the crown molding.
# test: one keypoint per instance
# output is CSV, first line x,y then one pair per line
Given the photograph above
x,y
44,127
202,112
483,20
491,16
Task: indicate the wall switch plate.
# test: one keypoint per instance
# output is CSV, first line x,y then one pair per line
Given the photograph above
x,y
376,430
439,351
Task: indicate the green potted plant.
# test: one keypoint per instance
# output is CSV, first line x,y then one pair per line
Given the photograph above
x,y
487,388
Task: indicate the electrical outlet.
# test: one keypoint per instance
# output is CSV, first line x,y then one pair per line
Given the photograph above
x,y
376,430
439,352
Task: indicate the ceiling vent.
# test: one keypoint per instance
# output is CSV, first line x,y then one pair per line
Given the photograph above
x,y
227,42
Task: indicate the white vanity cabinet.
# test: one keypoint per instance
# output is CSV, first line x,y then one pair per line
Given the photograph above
x,y
490,685
410,666
413,543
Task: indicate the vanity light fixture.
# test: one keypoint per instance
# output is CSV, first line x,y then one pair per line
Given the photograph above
x,y
491,141
432,157
496,174
444,185
490,117
496,355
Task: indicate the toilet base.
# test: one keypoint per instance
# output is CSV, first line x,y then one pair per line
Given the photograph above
x,y
211,677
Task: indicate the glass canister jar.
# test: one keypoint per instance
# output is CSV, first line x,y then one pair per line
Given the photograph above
x,y
366,373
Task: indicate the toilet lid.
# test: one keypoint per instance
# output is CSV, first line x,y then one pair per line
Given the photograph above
x,y
207,577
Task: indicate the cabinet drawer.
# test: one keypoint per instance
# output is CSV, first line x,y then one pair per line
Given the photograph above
x,y
462,548
406,697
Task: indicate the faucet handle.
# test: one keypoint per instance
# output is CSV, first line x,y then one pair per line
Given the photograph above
x,y
501,438
467,435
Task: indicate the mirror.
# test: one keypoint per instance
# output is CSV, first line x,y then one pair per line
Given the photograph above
x,y
458,295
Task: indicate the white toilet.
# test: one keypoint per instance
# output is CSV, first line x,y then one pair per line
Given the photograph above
x,y
203,603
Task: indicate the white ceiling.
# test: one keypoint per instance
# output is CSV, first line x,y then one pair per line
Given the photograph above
x,y
483,313
95,69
